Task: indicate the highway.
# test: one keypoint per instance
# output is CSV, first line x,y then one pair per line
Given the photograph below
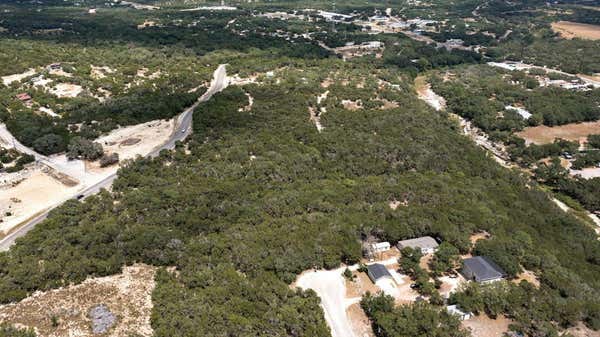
x,y
183,128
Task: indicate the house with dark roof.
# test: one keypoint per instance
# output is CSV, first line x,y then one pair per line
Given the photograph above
x,y
482,270
426,244
378,272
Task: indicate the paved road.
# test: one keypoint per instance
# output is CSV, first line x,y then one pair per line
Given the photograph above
x,y
182,130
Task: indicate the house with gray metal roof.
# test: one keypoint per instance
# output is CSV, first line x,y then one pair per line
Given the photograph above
x,y
426,244
482,270
378,272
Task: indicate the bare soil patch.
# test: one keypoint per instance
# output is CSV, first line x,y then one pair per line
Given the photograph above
x,y
359,320
66,90
528,276
450,285
425,93
130,141
352,105
360,285
7,80
479,236
388,104
134,140
580,330
35,194
574,132
571,30
405,295
483,326
126,295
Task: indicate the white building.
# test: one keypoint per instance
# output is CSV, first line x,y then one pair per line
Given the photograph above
x,y
426,244
380,247
454,310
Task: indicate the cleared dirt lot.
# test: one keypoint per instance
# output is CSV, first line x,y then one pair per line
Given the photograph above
x,y
33,195
38,191
483,326
134,140
63,90
570,30
580,330
544,134
127,296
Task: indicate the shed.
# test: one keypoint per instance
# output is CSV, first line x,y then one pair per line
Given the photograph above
x,y
378,272
379,247
426,244
482,270
455,310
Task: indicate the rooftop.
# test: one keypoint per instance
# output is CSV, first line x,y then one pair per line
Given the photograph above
x,y
378,271
483,268
422,242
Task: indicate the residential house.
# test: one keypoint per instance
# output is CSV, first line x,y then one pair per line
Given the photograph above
x,y
378,272
482,270
426,244
380,247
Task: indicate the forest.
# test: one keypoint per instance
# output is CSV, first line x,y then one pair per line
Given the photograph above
x,y
255,197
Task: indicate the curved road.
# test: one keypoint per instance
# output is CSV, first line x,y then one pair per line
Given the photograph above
x,y
182,130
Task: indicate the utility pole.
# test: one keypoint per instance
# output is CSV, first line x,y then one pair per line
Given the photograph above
x,y
333,18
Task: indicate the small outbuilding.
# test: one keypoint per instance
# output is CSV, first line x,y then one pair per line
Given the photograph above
x,y
426,244
481,270
455,310
380,247
378,272
23,97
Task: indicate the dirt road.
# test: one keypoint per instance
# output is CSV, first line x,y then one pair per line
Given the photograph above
x,y
331,288
183,129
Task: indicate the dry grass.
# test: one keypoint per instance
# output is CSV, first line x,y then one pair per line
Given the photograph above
x,y
127,295
575,132
571,30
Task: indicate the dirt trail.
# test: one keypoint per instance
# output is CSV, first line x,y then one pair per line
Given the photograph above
x,y
427,95
331,288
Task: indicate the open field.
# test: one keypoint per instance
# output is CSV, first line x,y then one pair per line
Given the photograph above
x,y
545,134
571,30
127,296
